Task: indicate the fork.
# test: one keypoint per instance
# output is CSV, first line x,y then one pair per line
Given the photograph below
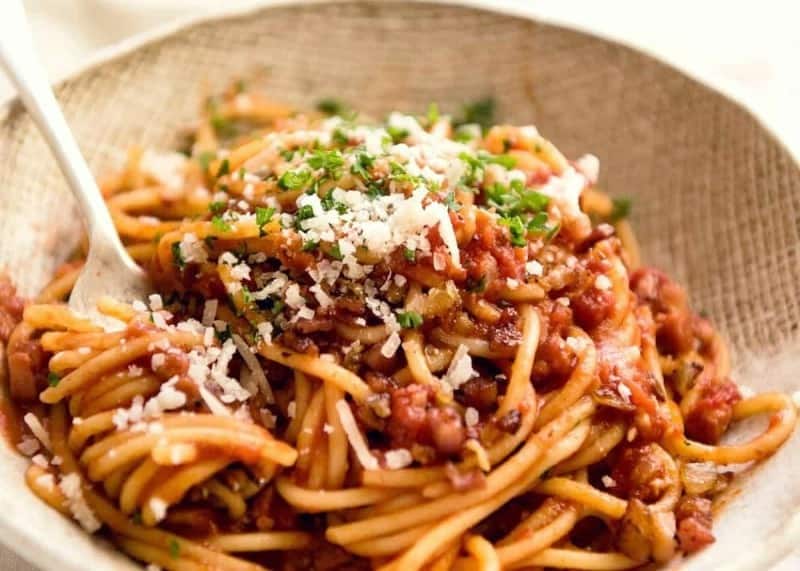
x,y
109,270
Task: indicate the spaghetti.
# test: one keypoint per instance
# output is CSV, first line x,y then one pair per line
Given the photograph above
x,y
396,345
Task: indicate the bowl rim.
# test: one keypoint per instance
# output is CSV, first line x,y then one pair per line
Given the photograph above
x,y
17,538
728,89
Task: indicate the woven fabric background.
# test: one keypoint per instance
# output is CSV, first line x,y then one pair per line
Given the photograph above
x,y
716,198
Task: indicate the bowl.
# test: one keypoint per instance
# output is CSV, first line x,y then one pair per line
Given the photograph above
x,y
716,195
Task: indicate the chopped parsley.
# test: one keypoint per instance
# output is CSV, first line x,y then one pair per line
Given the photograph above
x,y
335,252
517,230
52,379
409,254
506,161
514,199
433,113
217,207
330,161
409,319
224,168
329,203
223,335
399,174
177,257
287,154
205,158
174,548
303,213
476,286
363,162
621,208
263,215
310,245
397,134
220,224
451,202
294,180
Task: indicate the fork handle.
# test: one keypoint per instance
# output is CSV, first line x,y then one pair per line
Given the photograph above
x,y
22,66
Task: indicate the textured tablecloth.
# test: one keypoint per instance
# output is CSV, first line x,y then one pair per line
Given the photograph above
x,y
753,47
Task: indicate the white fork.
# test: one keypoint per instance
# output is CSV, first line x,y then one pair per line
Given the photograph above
x,y
109,270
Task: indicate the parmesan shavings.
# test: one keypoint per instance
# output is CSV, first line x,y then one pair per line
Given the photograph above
x,y
460,370
37,429
365,457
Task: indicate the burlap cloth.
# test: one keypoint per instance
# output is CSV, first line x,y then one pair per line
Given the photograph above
x,y
716,197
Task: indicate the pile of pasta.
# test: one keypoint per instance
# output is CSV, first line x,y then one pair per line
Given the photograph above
x,y
417,343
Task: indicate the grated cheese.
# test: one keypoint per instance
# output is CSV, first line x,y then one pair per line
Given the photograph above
x,y
37,429
71,487
354,436
398,458
460,370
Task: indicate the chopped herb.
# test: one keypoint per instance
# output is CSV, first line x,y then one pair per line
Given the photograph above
x,y
294,180
330,161
217,207
205,158
539,223
241,86
287,154
220,224
331,106
621,208
517,229
335,252
375,190
303,213
242,173
506,161
177,257
476,286
174,548
451,202
247,296
223,335
397,134
224,168
340,137
433,113
363,162
474,171
409,319
52,379
552,232
399,174
222,126
480,112
310,245
466,133
409,254
329,203
263,215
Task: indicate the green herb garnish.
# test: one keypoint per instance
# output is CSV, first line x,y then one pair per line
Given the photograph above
x,y
224,168
217,207
177,257
220,224
294,180
621,208
409,319
52,379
